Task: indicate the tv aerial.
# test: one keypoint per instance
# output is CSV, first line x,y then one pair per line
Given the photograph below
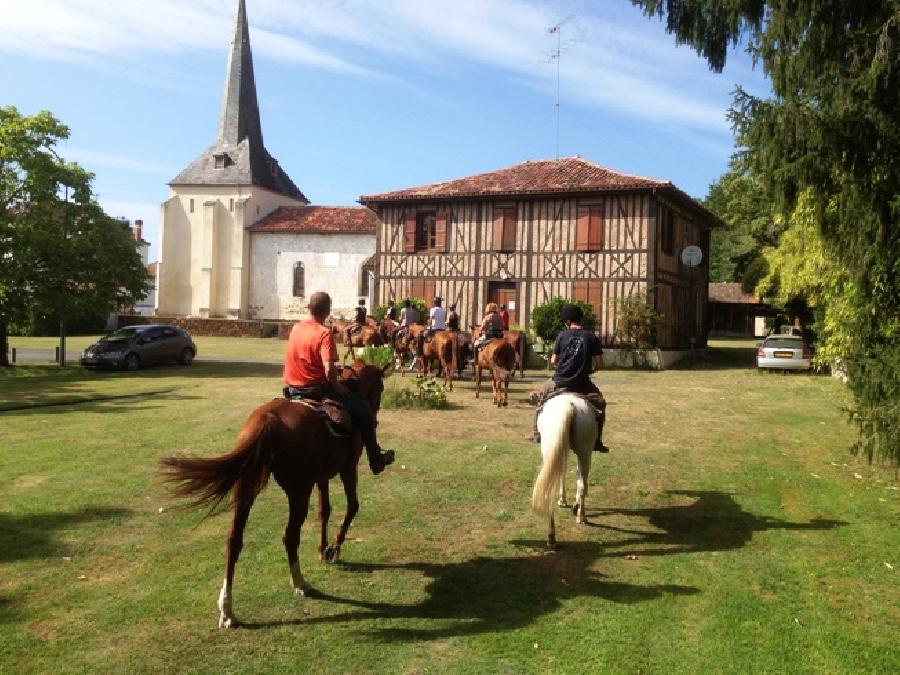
x,y
556,54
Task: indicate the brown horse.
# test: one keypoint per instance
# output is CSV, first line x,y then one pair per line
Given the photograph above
x,y
499,358
443,348
516,339
367,336
404,344
291,442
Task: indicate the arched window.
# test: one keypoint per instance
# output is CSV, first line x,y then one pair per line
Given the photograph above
x,y
299,281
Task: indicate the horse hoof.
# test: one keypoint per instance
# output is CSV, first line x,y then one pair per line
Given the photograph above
x,y
563,504
505,404
331,554
227,621
551,542
300,591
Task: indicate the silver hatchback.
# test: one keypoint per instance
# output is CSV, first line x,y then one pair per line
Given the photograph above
x,y
783,352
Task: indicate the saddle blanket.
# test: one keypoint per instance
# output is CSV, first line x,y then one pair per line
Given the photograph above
x,y
335,415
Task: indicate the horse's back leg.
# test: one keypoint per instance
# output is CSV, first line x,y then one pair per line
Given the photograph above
x,y
551,532
243,501
324,515
349,478
584,469
477,370
298,503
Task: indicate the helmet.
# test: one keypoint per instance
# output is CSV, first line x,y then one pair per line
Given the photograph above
x,y
571,313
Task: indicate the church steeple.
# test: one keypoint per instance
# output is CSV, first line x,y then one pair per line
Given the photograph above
x,y
238,156
239,118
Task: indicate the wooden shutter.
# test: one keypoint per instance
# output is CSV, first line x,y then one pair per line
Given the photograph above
x,y
508,242
441,231
417,288
582,231
590,292
595,229
497,234
409,232
428,288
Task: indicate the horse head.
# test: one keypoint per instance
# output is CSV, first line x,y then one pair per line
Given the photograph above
x,y
367,380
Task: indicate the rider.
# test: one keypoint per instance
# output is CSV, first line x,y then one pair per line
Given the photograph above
x,y
437,320
491,327
576,354
359,320
310,371
408,316
452,317
504,317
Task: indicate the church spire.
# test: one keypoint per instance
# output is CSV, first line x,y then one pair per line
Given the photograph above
x,y
239,118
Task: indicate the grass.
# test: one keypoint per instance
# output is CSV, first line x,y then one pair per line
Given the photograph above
x,y
729,530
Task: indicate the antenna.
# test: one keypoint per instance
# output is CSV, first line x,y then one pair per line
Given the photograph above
x,y
557,54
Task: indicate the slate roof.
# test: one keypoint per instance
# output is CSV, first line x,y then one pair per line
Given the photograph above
x,y
730,292
318,220
242,156
567,174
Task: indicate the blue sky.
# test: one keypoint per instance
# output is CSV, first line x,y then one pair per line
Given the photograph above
x,y
363,96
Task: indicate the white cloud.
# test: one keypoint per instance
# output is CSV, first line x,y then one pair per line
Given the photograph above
x,y
630,69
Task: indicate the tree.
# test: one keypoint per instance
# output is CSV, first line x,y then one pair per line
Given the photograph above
x,y
60,254
545,321
739,199
831,131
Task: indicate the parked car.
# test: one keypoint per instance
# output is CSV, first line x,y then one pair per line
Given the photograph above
x,y
783,352
135,347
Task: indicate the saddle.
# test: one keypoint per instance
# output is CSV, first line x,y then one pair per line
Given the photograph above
x,y
332,412
596,400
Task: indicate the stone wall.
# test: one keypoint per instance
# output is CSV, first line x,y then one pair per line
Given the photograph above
x,y
202,327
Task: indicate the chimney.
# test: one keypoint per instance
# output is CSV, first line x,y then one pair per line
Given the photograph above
x,y
139,230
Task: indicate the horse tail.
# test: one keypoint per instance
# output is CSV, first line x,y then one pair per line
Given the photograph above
x,y
504,360
207,480
555,444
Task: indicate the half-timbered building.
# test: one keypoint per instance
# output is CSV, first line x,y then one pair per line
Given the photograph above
x,y
538,230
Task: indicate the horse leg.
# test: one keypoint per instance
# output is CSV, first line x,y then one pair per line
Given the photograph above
x,y
324,515
505,392
477,380
243,500
562,502
349,478
298,503
551,533
584,468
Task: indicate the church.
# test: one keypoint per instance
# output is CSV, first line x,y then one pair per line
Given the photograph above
x,y
239,239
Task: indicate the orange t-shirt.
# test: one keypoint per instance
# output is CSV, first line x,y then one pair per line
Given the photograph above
x,y
310,347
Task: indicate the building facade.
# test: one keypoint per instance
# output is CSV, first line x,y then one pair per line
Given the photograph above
x,y
538,230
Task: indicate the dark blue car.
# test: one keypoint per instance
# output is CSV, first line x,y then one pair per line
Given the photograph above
x,y
135,347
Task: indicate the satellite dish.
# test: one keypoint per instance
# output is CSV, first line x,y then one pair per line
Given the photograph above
x,y
691,255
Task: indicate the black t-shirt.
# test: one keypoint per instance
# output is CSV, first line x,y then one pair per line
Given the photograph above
x,y
575,349
392,313
360,314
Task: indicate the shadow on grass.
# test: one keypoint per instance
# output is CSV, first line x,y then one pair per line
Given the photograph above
x,y
714,522
35,535
488,594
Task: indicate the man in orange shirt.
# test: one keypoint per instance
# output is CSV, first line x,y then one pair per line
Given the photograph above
x,y
310,371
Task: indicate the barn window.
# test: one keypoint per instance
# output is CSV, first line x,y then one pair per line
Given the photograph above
x,y
668,233
590,292
505,221
299,280
589,229
426,230
191,205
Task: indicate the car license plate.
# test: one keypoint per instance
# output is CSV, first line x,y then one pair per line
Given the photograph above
x,y
783,355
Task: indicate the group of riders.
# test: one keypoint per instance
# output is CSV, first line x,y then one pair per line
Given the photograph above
x,y
311,371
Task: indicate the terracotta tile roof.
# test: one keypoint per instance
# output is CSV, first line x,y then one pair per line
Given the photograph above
x,y
568,174
731,292
318,220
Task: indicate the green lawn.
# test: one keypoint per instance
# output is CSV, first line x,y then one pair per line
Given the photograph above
x,y
729,530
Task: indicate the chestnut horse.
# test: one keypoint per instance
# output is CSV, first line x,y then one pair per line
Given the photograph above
x,y
405,345
367,336
516,339
291,442
499,358
443,348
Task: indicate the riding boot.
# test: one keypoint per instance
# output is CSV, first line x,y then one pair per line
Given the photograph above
x,y
598,444
364,422
378,459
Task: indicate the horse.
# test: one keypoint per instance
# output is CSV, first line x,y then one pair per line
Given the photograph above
x,y
566,422
368,335
499,358
404,345
516,339
386,328
463,351
443,348
291,442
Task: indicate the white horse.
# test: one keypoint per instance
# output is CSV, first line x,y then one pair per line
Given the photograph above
x,y
566,422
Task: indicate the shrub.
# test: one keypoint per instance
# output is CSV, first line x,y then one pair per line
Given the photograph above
x,y
379,356
637,322
545,321
381,310
429,395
